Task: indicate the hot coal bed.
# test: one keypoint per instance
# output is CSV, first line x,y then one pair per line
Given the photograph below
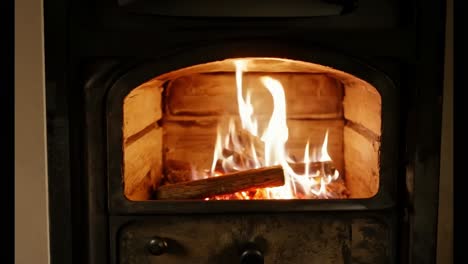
x,y
243,131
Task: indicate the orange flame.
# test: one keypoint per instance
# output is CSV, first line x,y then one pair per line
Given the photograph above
x,y
274,138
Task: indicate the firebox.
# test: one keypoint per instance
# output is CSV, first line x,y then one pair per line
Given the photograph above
x,y
200,122
252,128
248,132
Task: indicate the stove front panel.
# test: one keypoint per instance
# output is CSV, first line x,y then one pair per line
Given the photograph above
x,y
279,238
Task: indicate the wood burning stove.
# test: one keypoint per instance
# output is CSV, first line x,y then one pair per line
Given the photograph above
x,y
150,103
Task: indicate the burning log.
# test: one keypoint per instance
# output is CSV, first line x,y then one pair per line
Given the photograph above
x,y
244,148
338,189
326,166
225,184
248,140
242,161
177,171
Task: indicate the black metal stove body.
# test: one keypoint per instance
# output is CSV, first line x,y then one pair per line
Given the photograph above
x,y
96,52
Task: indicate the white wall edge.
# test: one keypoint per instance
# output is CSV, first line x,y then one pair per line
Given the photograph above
x,y
31,190
445,216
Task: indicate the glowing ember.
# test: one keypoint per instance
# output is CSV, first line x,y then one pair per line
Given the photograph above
x,y
242,148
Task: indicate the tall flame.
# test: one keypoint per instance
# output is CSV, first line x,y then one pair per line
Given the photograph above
x,y
273,149
324,153
249,123
276,134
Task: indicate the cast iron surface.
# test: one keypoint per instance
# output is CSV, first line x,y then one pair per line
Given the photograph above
x,y
298,238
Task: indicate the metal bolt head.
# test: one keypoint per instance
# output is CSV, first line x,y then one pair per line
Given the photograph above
x,y
157,246
252,256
